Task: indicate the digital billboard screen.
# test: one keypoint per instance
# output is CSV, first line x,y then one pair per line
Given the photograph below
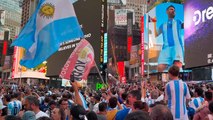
x,y
163,37
198,33
92,23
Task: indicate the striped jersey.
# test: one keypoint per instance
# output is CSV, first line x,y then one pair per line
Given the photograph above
x,y
14,107
196,103
176,92
171,31
149,101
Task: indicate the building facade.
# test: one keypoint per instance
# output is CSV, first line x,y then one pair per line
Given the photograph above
x,y
12,16
28,7
139,7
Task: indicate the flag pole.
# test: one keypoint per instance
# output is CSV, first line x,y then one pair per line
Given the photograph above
x,y
99,72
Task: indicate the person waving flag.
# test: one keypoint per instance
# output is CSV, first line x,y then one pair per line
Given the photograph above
x,y
53,22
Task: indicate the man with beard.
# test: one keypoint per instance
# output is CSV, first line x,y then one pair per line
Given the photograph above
x,y
173,48
31,103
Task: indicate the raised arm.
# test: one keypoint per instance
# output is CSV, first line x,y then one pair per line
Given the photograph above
x,y
77,96
143,90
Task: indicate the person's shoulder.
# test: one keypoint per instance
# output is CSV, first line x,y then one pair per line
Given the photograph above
x,y
179,21
41,114
18,101
101,117
202,109
10,103
121,114
168,83
184,83
123,111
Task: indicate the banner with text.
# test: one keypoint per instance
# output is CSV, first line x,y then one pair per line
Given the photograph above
x,y
80,62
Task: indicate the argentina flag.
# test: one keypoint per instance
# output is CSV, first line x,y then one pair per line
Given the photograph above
x,y
53,22
84,103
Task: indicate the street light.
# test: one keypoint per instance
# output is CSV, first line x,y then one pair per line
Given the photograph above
x,y
20,70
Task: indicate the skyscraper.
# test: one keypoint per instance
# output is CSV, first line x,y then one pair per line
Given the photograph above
x,y
28,7
12,16
139,7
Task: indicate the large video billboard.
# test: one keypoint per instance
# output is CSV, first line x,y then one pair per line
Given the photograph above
x,y
198,33
163,37
92,21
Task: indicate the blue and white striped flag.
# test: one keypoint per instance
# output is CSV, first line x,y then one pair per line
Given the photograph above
x,y
53,22
83,101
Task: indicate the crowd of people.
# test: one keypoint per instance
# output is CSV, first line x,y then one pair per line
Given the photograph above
x,y
175,100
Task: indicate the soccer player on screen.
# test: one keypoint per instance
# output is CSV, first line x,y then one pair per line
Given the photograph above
x,y
172,49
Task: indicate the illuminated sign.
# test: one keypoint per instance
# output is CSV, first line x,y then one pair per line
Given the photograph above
x,y
4,52
121,16
99,86
129,43
142,46
201,16
198,27
93,24
156,26
105,47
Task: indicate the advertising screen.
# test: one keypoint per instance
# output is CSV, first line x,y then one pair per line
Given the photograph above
x,y
198,33
92,21
163,37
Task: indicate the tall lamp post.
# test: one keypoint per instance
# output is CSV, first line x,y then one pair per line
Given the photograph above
x,y
20,70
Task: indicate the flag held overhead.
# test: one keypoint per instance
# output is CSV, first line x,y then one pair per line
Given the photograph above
x,y
80,62
53,22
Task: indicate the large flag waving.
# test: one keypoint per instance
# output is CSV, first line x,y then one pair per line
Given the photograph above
x,y
80,62
53,22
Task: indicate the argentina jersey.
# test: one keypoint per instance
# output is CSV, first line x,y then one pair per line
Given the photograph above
x,y
171,31
14,107
196,103
176,92
173,45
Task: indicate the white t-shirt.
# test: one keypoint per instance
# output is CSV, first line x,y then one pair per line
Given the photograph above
x,y
41,114
95,108
160,98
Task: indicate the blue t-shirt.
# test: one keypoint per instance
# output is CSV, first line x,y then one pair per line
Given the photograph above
x,y
120,115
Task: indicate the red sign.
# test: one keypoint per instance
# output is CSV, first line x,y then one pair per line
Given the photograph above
x,y
14,61
142,46
121,71
4,52
129,43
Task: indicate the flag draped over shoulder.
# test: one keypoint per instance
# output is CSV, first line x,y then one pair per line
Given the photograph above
x,y
80,62
53,22
84,103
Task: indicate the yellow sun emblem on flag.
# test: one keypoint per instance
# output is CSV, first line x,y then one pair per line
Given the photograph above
x,y
47,10
83,53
